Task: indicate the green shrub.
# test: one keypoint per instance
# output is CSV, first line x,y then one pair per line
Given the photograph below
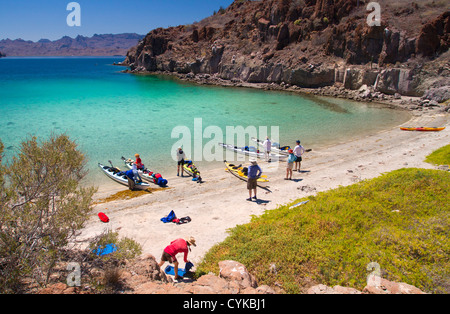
x,y
440,156
400,220
42,205
126,248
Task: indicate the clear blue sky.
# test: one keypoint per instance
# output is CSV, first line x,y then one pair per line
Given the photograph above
x,y
36,19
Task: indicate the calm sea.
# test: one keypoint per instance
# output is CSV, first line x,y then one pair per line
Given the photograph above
x,y
112,114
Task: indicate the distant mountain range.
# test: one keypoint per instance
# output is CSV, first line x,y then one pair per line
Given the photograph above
x,y
97,45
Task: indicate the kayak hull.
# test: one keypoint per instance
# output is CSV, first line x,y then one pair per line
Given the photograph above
x,y
273,148
146,174
242,151
423,129
191,169
122,179
237,172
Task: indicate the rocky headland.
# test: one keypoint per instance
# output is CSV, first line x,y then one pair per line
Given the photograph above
x,y
323,47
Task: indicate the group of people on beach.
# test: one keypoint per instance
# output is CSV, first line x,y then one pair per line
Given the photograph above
x,y
294,160
254,171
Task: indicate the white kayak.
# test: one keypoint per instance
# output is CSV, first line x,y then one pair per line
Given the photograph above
x,y
274,147
146,174
120,177
250,151
283,150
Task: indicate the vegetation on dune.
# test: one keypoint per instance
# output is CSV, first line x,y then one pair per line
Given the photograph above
x,y
400,221
440,156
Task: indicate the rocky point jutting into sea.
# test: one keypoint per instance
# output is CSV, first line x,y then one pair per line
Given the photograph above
x,y
322,46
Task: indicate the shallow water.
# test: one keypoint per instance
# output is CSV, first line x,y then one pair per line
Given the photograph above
x,y
112,114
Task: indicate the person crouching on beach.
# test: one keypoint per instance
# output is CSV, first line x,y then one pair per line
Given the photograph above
x,y
175,247
133,177
180,157
290,165
254,172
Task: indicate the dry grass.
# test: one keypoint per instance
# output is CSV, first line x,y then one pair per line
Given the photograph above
x,y
127,195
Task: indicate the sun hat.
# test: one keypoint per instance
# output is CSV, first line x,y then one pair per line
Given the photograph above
x,y
136,155
190,241
298,141
253,160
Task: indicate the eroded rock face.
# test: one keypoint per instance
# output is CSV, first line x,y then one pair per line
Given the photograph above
x,y
237,272
300,43
434,37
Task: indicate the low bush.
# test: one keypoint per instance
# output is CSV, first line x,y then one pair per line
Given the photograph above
x,y
400,221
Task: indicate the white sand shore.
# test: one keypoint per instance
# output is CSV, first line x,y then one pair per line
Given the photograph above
x,y
220,202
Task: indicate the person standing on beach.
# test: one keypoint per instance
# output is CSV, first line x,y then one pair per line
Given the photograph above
x,y
298,152
268,147
175,247
290,165
254,172
180,157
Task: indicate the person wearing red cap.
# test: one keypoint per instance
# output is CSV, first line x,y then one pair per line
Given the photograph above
x,y
290,165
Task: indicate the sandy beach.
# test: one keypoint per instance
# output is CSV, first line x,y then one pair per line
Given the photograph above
x,y
220,203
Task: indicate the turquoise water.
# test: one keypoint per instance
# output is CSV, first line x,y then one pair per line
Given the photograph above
x,y
112,114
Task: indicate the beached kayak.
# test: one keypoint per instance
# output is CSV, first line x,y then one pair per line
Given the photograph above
x,y
120,177
284,150
241,173
424,129
191,169
251,151
146,174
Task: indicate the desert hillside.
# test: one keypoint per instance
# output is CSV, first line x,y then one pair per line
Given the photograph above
x,y
309,44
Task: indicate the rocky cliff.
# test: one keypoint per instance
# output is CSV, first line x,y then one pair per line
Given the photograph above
x,y
309,44
97,45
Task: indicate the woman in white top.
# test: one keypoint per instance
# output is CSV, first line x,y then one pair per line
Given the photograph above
x,y
298,152
267,147
180,157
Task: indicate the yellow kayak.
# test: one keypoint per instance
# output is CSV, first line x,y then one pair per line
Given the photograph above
x,y
240,172
422,129
191,169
